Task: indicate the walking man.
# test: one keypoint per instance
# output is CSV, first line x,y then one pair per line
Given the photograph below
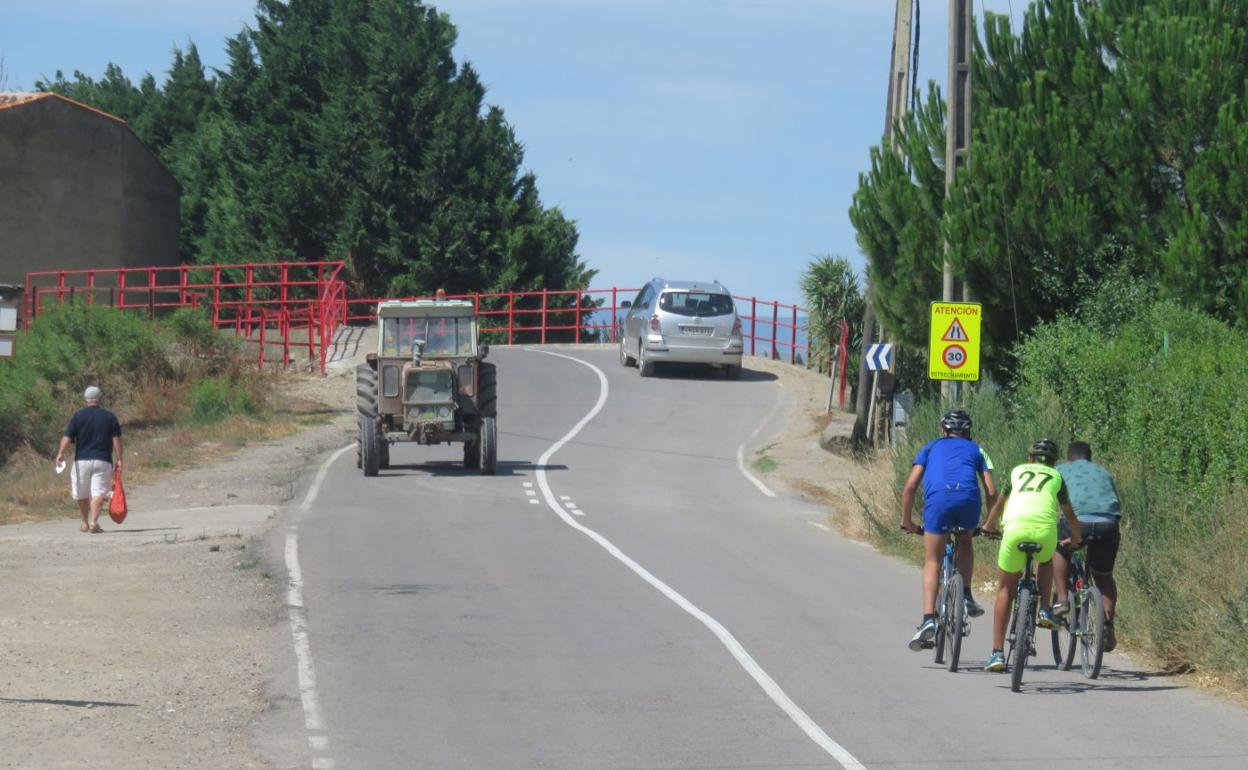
x,y
96,436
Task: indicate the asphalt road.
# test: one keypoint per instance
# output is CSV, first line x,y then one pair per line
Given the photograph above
x,y
678,617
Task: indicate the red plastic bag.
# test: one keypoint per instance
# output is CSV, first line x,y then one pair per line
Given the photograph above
x,y
117,506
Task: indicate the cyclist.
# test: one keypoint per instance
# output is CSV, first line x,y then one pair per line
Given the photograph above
x,y
1031,498
951,469
1095,498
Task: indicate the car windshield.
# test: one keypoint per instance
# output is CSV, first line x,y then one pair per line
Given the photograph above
x,y
442,336
693,303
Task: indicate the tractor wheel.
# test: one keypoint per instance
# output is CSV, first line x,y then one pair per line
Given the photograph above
x,y
487,445
487,397
370,448
383,451
365,402
472,448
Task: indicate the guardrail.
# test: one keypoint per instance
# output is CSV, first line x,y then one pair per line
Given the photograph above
x,y
288,306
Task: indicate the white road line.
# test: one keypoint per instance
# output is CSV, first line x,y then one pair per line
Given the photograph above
x,y
742,656
565,497
824,527
313,722
528,484
753,479
531,492
535,501
576,512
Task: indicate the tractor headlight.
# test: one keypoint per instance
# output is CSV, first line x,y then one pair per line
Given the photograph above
x,y
444,412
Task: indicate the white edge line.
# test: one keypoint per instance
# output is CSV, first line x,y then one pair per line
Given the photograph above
x,y
742,656
753,479
824,527
298,613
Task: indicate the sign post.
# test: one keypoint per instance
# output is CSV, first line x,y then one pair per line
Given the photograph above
x,y
953,341
10,318
879,358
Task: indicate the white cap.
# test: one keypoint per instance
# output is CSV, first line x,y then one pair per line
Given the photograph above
x,y
92,393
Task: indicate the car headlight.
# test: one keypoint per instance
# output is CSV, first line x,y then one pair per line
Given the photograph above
x,y
444,412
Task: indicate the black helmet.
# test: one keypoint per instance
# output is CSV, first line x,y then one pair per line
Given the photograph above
x,y
956,421
1044,450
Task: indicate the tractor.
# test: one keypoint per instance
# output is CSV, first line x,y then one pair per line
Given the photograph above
x,y
427,383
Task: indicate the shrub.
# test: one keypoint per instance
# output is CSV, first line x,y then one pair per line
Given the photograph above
x,y
216,398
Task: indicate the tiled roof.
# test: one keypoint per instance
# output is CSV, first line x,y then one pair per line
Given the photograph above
x,y
10,99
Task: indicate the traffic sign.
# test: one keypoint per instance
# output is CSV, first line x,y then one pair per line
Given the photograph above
x,y
879,357
953,349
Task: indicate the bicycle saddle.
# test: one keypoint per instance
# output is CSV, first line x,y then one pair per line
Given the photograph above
x,y
1029,547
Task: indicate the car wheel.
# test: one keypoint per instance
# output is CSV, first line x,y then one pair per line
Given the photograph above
x,y
732,371
625,359
645,367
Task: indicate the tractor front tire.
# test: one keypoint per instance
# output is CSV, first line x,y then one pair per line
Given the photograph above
x,y
370,448
487,445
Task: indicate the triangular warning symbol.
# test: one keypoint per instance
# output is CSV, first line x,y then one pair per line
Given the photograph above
x,y
956,333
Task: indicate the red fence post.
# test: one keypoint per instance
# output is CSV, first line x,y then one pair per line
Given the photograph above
x,y
250,277
614,312
511,317
90,287
543,316
793,344
753,323
775,317
121,289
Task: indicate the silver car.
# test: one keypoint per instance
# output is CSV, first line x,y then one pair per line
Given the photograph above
x,y
681,321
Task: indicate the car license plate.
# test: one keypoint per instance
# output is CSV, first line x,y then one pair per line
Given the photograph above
x,y
700,331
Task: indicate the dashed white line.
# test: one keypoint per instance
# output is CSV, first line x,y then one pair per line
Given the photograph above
x,y
824,527
535,501
734,647
531,492
528,484
565,497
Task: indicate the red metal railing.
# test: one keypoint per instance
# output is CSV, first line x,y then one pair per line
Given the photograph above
x,y
285,306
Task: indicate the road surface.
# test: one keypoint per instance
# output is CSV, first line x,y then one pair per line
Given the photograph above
x,y
621,595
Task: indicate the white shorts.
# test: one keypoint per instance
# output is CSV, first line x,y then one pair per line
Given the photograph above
x,y
90,478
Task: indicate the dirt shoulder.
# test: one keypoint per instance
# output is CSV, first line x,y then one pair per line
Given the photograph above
x,y
152,645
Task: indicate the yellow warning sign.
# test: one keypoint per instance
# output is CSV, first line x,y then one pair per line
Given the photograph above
x,y
953,352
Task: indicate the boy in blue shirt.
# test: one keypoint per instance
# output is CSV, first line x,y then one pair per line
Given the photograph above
x,y
951,469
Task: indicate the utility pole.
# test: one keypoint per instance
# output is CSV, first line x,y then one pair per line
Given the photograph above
x,y
897,105
957,134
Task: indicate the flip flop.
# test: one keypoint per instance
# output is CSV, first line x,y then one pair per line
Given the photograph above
x,y
96,530
83,528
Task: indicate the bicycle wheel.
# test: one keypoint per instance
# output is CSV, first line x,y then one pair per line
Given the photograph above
x,y
1092,632
955,611
942,613
1025,619
1066,635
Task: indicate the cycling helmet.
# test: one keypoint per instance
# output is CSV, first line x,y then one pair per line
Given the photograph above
x,y
957,422
1044,450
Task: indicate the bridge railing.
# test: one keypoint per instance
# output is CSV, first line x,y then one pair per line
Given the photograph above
x,y
282,307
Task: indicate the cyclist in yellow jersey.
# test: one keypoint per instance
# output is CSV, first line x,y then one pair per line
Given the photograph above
x,y
1032,497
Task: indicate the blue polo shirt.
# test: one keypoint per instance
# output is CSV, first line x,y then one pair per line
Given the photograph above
x,y
92,430
951,470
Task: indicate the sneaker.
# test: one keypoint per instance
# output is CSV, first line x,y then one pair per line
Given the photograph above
x,y
972,607
924,636
1111,641
1045,619
996,662
1061,609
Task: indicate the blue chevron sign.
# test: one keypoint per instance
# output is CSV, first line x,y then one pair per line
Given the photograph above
x,y
879,357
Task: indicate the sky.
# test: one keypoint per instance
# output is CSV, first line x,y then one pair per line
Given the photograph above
x,y
689,139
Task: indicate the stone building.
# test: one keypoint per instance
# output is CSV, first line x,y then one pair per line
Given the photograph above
x,y
78,189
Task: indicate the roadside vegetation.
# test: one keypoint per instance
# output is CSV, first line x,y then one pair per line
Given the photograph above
x,y
1156,389
181,390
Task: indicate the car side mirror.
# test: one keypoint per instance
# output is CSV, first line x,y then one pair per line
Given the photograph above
x,y
625,305
482,352
371,359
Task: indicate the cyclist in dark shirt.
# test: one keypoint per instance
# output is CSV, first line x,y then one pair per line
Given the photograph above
x,y
96,435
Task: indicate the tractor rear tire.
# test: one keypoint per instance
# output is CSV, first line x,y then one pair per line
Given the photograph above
x,y
487,445
472,447
365,403
487,397
370,448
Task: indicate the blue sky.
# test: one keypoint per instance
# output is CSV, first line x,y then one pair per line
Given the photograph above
x,y
688,138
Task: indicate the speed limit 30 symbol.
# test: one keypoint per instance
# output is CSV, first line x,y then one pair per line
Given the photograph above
x,y
954,356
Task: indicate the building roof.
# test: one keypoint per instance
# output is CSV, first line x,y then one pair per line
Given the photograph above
x,y
11,99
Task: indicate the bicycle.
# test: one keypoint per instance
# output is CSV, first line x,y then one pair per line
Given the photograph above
x,y
1084,624
1021,630
952,624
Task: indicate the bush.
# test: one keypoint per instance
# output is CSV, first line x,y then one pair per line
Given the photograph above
x,y
216,398
1157,390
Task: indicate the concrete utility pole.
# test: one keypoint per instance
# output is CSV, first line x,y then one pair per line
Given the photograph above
x,y
898,102
957,132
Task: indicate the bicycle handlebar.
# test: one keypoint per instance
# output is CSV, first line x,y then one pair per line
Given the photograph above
x,y
955,531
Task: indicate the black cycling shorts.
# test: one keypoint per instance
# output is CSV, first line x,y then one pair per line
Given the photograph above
x,y
1102,539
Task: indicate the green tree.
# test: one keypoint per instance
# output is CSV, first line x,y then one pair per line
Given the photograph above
x,y
832,293
1108,137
